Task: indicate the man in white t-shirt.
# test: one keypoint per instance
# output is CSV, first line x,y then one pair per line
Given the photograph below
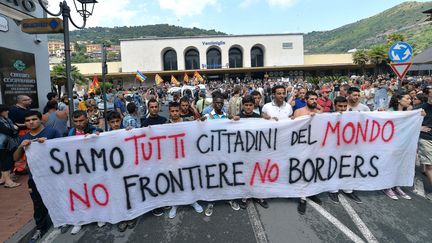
x,y
278,109
354,100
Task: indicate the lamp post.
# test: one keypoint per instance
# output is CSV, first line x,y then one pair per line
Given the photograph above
x,y
65,13
104,73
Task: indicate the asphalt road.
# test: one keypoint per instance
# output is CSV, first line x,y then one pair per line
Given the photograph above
x,y
377,219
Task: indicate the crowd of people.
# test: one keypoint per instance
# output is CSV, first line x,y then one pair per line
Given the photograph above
x,y
231,99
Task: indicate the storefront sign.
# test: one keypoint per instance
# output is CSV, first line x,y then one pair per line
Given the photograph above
x,y
18,76
4,26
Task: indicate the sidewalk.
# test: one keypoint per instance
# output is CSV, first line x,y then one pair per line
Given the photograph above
x,y
16,208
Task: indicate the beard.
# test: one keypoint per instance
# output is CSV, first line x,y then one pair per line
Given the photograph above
x,y
312,106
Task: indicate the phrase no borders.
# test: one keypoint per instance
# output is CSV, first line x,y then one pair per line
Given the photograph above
x,y
122,174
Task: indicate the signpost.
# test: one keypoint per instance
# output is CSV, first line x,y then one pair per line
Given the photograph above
x,y
42,25
399,54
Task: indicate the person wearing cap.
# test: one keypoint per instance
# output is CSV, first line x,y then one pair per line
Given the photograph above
x,y
324,102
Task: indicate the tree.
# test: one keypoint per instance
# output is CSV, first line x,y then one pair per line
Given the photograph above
x,y
378,55
58,76
361,58
394,38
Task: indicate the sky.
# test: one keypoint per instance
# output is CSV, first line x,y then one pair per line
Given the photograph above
x,y
235,16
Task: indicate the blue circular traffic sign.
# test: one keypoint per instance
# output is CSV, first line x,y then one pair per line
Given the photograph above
x,y
400,52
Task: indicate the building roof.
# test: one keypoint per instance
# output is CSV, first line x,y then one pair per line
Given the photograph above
x,y
207,36
423,58
428,11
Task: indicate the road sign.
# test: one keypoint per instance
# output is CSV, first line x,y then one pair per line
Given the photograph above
x,y
400,68
400,52
42,25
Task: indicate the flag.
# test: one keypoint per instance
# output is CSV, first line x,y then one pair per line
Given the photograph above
x,y
186,78
96,82
140,76
174,81
158,80
198,77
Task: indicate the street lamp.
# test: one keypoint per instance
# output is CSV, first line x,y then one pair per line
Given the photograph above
x,y
85,10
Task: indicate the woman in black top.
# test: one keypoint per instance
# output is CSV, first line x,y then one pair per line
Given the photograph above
x,y
8,143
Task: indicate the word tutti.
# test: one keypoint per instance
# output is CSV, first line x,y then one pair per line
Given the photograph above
x,y
140,146
368,132
237,141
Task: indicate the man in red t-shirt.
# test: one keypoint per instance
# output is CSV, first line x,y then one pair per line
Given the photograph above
x,y
324,102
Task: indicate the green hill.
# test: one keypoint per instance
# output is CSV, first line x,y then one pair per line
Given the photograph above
x,y
406,18
99,35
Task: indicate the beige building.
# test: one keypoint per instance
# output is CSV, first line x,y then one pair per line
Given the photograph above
x,y
56,47
91,48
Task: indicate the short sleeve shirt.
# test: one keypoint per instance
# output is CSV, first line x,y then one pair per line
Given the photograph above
x,y
281,112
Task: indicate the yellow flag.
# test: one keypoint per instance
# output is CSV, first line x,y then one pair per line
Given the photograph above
x,y
198,77
174,81
158,80
186,78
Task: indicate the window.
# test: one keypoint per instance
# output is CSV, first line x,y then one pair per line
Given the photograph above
x,y
257,57
235,58
214,58
192,60
170,60
287,45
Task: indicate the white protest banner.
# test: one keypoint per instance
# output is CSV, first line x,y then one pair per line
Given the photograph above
x,y
122,174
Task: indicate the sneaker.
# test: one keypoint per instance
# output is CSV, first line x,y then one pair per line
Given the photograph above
x,y
334,196
234,205
315,199
173,212
76,229
101,224
36,236
209,209
131,223
301,208
401,193
353,197
197,207
121,227
158,212
243,203
429,196
390,193
262,202
64,229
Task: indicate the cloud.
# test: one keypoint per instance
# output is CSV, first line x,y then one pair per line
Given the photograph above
x,y
187,7
247,3
281,3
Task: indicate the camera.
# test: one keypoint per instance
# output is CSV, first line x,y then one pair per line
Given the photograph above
x,y
37,40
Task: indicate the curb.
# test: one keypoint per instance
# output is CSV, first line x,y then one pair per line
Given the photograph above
x,y
23,234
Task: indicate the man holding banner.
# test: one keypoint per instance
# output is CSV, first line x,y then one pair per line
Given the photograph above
x,y
37,132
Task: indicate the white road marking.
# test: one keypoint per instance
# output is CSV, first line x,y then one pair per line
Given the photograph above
x,y
419,187
51,236
257,227
336,222
358,221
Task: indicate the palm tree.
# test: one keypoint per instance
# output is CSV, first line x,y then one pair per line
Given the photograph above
x,y
361,58
378,55
58,76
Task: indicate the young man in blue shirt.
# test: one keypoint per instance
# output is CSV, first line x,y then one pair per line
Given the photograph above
x,y
39,133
